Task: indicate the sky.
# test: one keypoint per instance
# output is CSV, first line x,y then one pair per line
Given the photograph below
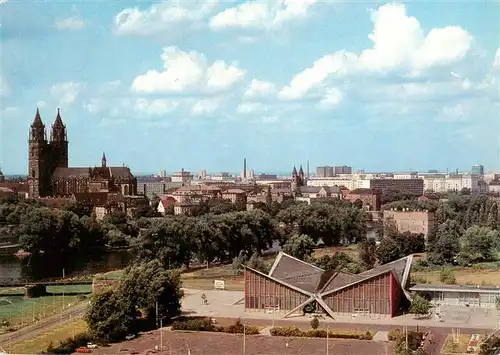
x,y
381,86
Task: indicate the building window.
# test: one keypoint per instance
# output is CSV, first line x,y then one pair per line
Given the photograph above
x,y
33,172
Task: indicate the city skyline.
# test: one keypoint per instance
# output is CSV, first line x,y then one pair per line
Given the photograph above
x,y
380,87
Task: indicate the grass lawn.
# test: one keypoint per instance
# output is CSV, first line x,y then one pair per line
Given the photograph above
x,y
20,311
235,284
55,335
351,250
450,347
17,291
70,289
464,276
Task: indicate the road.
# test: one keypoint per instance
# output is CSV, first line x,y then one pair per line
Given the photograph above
x,y
42,326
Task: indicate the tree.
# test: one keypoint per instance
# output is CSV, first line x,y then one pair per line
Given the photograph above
x,y
420,306
388,250
367,253
447,277
445,245
477,245
300,246
143,290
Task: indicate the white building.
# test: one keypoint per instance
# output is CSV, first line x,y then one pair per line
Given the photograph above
x,y
460,295
182,176
451,182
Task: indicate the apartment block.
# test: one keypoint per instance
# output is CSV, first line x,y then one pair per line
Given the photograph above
x,y
413,221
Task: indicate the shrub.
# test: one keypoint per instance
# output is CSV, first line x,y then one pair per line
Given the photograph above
x,y
196,324
318,333
287,332
206,325
447,277
419,279
393,334
238,328
69,345
314,323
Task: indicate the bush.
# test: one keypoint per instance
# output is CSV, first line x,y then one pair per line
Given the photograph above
x,y
314,323
318,333
393,334
196,324
447,277
69,345
206,325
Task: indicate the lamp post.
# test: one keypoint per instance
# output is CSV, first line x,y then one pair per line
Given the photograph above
x,y
244,337
161,332
327,340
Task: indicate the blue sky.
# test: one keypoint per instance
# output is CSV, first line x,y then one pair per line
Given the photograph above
x,y
202,84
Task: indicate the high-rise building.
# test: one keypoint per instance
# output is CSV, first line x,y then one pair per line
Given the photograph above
x,y
325,171
477,169
163,173
343,170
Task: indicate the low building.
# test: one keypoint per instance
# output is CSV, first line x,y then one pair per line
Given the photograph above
x,y
494,187
369,198
413,221
236,196
165,204
460,295
292,284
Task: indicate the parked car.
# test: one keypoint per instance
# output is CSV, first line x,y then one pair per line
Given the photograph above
x,y
83,350
91,346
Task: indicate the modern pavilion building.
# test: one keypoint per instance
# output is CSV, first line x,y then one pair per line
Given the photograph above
x,y
293,284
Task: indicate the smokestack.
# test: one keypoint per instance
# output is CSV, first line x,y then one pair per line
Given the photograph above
x,y
307,169
244,168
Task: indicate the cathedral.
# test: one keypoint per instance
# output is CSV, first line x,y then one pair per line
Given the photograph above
x,y
50,176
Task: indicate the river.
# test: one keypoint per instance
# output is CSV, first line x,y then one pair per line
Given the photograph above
x,y
30,268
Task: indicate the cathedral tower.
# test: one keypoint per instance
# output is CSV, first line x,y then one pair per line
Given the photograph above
x,y
59,143
37,160
103,160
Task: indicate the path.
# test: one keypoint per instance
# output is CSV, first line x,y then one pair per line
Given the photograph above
x,y
41,326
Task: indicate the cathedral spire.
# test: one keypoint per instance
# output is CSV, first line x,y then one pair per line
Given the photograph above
x,y
294,171
37,122
103,160
58,122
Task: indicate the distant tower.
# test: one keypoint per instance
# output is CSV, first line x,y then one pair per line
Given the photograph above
x,y
297,178
308,169
59,143
103,160
38,150
2,178
244,168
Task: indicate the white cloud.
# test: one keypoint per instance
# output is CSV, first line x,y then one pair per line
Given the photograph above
x,y
3,2
70,23
452,113
399,43
259,88
268,14
496,61
41,104
66,93
155,107
205,106
331,98
161,17
251,107
188,71
4,87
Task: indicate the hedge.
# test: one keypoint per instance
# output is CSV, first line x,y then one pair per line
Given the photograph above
x,y
206,325
318,333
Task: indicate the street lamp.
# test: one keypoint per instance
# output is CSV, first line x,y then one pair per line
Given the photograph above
x,y
244,336
161,332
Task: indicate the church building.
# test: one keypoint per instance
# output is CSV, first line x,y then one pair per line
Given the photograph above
x,y
50,176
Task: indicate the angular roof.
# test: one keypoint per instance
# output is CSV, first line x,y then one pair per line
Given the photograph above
x,y
296,272
313,279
